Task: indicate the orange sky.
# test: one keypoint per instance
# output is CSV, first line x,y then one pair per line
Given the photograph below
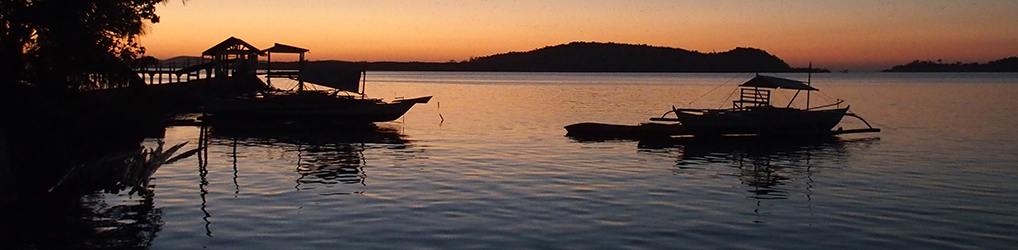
x,y
855,35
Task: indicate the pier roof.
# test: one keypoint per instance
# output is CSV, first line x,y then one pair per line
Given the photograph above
x,y
232,46
283,48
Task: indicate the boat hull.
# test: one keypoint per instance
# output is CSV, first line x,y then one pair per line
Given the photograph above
x,y
342,111
600,131
767,121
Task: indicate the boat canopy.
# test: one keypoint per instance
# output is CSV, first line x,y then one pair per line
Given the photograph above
x,y
776,83
346,80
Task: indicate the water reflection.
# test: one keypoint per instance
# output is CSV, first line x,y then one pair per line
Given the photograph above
x,y
770,169
89,222
101,201
203,172
767,166
327,154
90,208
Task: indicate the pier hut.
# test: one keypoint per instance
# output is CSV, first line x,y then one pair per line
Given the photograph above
x,y
291,74
233,55
231,68
341,79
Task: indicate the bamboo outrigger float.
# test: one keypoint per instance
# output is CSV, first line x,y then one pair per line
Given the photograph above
x,y
751,115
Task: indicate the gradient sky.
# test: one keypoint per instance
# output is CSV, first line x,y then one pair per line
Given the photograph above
x,y
856,35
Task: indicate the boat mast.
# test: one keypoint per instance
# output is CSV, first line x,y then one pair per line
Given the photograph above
x,y
809,78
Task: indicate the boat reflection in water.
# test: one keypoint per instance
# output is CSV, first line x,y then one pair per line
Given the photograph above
x,y
327,153
770,167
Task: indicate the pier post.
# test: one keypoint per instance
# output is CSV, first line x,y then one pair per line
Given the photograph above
x,y
208,71
268,68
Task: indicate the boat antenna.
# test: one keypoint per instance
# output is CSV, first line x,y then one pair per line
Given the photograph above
x,y
809,79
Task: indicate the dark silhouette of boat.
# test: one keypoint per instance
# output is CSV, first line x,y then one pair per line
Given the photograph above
x,y
346,103
752,114
311,105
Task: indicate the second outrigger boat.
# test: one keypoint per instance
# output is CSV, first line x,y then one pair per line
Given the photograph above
x,y
751,115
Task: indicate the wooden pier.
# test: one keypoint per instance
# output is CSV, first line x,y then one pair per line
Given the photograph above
x,y
232,57
173,72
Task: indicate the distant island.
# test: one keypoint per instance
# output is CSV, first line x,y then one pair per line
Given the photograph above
x,y
586,57
1009,64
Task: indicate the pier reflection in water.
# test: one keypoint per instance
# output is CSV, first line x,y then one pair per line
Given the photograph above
x,y
326,154
328,159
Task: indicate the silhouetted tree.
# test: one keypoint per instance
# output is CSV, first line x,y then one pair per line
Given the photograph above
x,y
71,44
50,49
1009,64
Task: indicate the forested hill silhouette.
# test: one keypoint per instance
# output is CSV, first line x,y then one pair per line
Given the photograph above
x,y
592,57
615,57
1009,64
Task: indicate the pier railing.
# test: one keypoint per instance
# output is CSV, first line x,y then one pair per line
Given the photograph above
x,y
192,69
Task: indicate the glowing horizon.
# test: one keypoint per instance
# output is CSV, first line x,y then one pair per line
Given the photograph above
x,y
853,35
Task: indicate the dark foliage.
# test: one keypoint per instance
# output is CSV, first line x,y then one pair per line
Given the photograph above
x,y
71,44
50,52
1009,64
591,57
612,57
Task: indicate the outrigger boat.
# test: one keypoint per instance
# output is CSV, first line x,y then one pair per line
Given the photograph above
x,y
751,115
309,106
304,105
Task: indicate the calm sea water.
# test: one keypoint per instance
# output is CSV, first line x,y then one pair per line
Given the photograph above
x,y
487,165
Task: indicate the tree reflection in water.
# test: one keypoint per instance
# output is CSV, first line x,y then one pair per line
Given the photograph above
x,y
85,223
91,207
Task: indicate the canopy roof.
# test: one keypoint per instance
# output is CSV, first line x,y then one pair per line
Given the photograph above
x,y
776,82
346,80
283,48
232,46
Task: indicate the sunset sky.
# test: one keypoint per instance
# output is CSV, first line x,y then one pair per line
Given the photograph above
x,y
858,35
